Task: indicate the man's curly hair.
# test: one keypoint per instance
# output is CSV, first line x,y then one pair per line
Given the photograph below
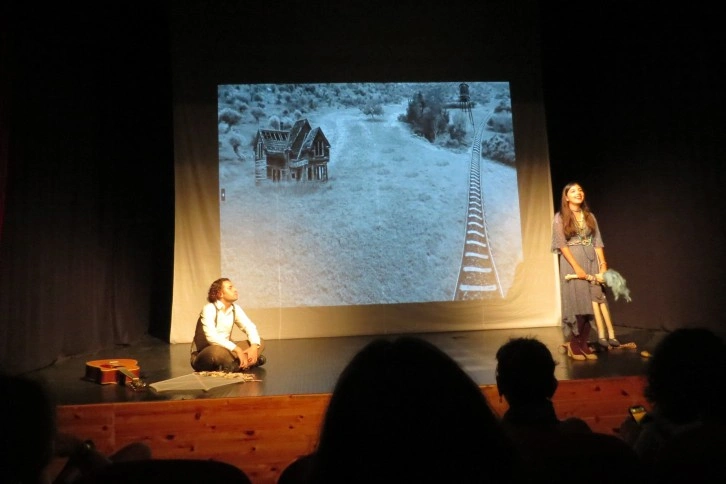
x,y
215,289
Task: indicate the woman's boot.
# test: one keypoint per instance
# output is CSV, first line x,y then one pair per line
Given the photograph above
x,y
583,329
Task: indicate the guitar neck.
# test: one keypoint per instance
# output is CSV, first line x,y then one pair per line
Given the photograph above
x,y
135,382
126,372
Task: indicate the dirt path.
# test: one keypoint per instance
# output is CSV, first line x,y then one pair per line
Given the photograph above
x,y
387,227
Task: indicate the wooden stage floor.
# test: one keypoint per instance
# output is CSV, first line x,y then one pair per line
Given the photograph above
x,y
263,426
312,365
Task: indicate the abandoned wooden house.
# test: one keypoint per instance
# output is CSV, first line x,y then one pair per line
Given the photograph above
x,y
300,153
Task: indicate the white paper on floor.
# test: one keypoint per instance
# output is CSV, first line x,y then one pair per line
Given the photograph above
x,y
202,380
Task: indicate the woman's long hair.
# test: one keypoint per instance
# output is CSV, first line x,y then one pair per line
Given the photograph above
x,y
569,223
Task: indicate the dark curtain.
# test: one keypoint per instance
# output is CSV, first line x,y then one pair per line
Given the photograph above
x,y
4,98
86,251
635,110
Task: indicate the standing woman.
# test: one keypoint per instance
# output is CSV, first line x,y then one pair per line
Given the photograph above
x,y
576,238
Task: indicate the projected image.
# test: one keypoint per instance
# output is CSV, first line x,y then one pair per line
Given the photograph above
x,y
368,193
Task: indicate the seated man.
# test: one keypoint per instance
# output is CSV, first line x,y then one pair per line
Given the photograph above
x,y
213,348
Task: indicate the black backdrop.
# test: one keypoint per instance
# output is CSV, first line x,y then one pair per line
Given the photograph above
x,y
634,101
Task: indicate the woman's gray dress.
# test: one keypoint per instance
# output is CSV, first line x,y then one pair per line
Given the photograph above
x,y
577,295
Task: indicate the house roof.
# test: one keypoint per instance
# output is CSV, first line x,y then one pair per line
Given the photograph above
x,y
307,144
298,138
274,140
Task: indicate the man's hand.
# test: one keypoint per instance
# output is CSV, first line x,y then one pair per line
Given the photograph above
x,y
241,356
252,355
248,357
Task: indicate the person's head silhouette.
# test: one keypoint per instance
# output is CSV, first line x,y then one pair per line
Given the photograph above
x,y
404,411
525,371
686,375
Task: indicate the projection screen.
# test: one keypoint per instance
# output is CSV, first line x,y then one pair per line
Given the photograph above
x,y
420,203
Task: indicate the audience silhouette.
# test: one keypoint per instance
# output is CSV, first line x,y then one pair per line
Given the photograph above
x,y
526,379
404,411
155,471
28,430
30,440
683,433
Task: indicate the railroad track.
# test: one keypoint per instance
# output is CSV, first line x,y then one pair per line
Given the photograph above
x,y
478,277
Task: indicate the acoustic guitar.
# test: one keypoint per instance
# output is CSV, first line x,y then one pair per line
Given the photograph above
x,y
115,371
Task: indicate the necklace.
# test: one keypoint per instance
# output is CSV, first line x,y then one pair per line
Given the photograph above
x,y
581,226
